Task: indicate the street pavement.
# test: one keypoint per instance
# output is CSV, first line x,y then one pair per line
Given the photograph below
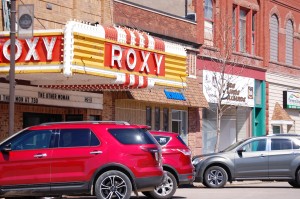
x,y
236,190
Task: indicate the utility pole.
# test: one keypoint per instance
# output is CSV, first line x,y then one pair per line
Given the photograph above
x,y
12,67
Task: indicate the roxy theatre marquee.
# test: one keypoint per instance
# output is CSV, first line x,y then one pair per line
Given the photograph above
x,y
85,57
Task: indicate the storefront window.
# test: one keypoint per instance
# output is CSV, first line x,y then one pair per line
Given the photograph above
x,y
276,129
74,117
31,119
95,118
148,116
157,118
166,119
257,92
179,123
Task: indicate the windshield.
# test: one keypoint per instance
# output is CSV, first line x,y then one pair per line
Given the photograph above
x,y
234,145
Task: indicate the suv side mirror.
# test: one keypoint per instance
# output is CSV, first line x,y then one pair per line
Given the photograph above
x,y
6,148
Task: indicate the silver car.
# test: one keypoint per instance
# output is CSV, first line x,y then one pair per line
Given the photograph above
x,y
275,157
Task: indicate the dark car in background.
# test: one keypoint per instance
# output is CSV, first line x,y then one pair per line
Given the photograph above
x,y
106,159
267,158
176,159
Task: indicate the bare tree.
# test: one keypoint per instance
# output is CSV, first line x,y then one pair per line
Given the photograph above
x,y
222,77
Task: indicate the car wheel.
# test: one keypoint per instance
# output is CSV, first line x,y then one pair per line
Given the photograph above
x,y
294,183
113,184
215,177
165,190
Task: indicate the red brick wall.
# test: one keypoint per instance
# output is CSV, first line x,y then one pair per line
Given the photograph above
x,y
195,130
149,21
63,11
285,10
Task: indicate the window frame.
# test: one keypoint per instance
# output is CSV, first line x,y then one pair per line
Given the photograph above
x,y
183,117
289,48
276,56
250,27
209,39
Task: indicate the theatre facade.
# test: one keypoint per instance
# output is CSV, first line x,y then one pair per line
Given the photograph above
x,y
86,72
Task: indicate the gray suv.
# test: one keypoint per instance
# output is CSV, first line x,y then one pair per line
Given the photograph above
x,y
275,157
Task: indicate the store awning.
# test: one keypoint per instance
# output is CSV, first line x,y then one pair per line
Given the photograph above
x,y
280,116
191,96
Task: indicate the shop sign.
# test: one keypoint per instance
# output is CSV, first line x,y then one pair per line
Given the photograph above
x,y
134,60
37,49
238,90
52,97
291,100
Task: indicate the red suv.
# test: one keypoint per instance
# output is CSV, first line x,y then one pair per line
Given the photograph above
x,y
176,159
106,159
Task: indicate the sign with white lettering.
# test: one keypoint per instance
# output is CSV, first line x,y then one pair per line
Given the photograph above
x,y
39,49
133,59
52,97
238,91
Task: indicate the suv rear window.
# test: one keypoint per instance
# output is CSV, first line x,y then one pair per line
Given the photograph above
x,y
162,140
181,140
132,136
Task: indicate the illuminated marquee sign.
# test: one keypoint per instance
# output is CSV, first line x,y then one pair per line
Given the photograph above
x,y
104,57
38,49
132,59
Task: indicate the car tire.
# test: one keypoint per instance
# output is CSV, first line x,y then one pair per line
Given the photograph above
x,y
215,177
113,184
164,191
295,183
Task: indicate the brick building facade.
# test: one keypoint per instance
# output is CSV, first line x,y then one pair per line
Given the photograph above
x,y
282,20
201,39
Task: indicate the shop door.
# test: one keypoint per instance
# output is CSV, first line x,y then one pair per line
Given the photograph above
x,y
228,131
179,124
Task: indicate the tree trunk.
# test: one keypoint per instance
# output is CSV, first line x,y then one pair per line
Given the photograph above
x,y
219,115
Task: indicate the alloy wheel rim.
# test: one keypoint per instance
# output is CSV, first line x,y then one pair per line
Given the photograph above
x,y
215,177
166,187
113,187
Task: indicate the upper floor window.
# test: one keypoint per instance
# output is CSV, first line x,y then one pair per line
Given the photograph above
x,y
289,46
208,22
274,28
243,30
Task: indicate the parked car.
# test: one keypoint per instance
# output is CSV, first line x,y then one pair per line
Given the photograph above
x,y
275,157
106,159
176,159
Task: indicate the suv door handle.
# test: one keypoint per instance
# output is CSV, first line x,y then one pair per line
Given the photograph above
x,y
41,155
95,152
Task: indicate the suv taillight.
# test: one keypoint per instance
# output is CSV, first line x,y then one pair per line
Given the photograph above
x,y
185,151
156,152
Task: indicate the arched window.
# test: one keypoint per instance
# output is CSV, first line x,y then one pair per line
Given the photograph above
x,y
289,46
208,22
274,28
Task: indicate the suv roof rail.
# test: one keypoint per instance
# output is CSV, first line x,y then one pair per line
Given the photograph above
x,y
284,134
87,122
